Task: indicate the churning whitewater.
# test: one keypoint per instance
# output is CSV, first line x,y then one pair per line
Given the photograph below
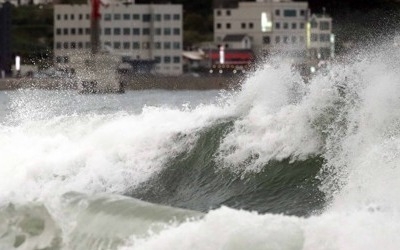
x,y
282,163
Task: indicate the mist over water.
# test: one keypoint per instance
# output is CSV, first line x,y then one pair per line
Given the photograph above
x,y
280,164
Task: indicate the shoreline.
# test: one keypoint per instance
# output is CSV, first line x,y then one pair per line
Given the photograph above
x,y
139,83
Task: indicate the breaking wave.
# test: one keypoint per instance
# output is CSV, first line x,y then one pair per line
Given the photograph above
x,y
280,164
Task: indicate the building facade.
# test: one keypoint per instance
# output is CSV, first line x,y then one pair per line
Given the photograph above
x,y
27,2
321,40
140,31
274,26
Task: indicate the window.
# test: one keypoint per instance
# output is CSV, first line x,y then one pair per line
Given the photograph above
x,y
72,16
228,25
126,31
177,31
65,45
135,45
146,17
136,17
167,45
243,25
314,37
277,12
146,31
314,24
157,17
325,53
177,59
107,17
73,31
302,12
228,12
177,17
251,25
126,16
266,24
218,25
80,16
324,37
167,59
289,13
65,31
176,45
87,31
167,31
157,59
126,45
266,40
117,45
80,31
324,25
87,16
136,31
117,16
294,26
157,31
65,17
167,17
277,39
58,31
58,16
302,25
277,26
285,26
73,45
80,45
218,12
285,39
58,45
157,45
107,44
146,45
117,31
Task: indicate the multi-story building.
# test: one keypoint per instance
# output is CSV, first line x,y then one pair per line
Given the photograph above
x,y
273,26
321,40
27,2
140,31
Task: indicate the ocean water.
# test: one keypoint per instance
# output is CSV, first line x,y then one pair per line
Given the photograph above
x,y
279,164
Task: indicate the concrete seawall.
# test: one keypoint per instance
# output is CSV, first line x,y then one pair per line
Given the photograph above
x,y
139,83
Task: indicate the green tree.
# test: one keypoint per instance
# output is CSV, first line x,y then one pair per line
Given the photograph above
x,y
32,32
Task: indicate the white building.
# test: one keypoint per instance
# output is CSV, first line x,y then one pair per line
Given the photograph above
x,y
26,2
141,31
273,26
321,40
237,41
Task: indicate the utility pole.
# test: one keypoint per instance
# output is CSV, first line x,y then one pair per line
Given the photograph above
x,y
95,26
